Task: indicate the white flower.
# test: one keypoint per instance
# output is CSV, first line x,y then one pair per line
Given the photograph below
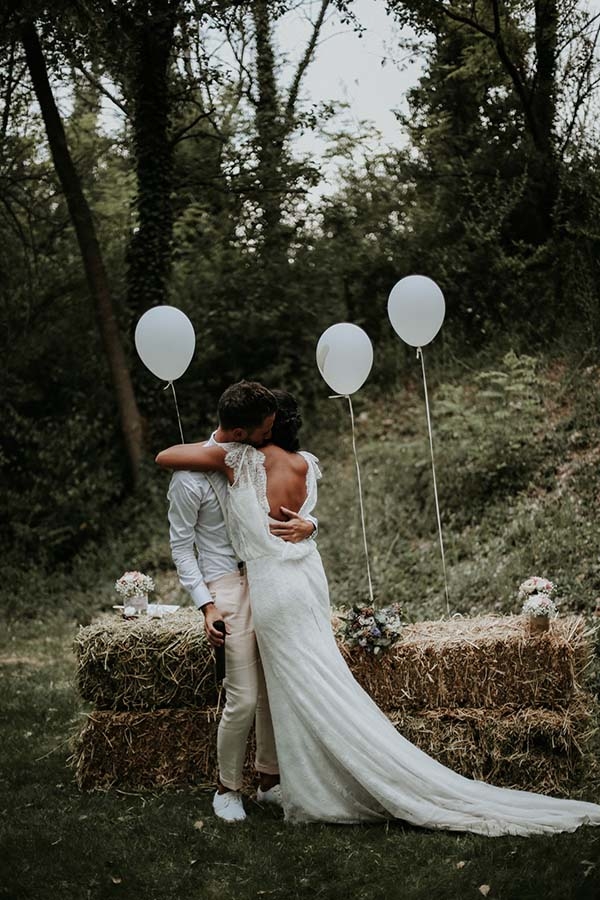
x,y
371,629
535,585
540,605
134,584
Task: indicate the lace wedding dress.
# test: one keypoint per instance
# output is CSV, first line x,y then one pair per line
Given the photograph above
x,y
341,759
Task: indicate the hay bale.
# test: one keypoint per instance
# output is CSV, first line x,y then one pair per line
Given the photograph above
x,y
154,749
531,749
486,661
145,664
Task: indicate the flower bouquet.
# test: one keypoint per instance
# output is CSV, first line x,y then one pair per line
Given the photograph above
x,y
372,629
538,605
536,585
134,588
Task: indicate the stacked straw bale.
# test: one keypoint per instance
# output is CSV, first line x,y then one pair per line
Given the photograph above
x,y
157,748
480,695
531,748
146,664
488,661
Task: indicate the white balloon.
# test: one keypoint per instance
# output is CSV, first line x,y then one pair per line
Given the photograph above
x,y
344,357
416,309
165,341
323,349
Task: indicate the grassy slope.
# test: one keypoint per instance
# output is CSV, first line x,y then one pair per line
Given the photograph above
x,y
519,489
517,450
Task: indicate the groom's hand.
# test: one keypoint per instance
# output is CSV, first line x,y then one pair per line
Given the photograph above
x,y
296,529
212,615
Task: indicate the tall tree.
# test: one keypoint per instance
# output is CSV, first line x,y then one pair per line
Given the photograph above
x,y
251,179
150,29
278,176
491,169
135,41
528,41
83,223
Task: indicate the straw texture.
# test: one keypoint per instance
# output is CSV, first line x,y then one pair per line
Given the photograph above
x,y
528,749
146,664
481,695
486,661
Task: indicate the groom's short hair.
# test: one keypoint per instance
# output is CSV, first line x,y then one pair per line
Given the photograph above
x,y
245,404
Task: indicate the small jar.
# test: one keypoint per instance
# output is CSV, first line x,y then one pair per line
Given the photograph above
x,y
539,624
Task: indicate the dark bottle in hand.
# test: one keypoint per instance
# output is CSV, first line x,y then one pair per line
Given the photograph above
x,y
219,625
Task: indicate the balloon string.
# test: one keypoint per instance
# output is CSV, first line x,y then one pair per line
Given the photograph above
x,y
172,386
360,496
435,491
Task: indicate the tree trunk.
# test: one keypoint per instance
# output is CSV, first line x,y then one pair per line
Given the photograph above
x,y
544,170
150,248
130,419
270,136
537,97
272,275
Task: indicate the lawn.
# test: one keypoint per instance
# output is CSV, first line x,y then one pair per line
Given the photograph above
x,y
58,842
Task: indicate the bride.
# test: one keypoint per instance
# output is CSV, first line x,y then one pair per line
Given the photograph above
x,y
341,759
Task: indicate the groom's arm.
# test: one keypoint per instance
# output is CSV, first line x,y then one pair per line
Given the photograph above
x,y
295,529
185,499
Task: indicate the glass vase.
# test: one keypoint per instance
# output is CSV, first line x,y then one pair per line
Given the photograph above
x,y
139,603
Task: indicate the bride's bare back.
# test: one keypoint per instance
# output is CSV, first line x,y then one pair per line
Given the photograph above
x,y
286,480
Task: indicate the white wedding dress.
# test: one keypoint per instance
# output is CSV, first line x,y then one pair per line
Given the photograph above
x,y
341,759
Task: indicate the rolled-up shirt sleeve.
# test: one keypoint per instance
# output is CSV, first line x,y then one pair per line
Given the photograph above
x,y
185,499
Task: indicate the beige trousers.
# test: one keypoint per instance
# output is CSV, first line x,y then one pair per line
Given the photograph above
x,y
244,683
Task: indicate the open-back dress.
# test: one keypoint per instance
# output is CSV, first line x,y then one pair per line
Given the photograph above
x,y
341,759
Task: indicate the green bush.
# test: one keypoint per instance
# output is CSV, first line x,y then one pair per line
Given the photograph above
x,y
491,436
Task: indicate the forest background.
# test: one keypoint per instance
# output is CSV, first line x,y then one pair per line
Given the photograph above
x,y
205,191
201,197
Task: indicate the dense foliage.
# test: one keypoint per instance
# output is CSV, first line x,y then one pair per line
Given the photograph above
x,y
198,196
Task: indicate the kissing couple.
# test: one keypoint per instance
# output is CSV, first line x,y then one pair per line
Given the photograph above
x,y
243,502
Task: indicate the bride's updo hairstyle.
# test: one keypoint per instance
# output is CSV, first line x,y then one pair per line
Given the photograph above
x,y
288,422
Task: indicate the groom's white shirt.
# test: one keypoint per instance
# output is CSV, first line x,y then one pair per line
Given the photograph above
x,y
197,525
196,503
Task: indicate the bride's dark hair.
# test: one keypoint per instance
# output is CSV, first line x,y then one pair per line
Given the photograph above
x,y
288,422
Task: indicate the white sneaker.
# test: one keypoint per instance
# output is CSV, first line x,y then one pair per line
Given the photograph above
x,y
229,806
273,795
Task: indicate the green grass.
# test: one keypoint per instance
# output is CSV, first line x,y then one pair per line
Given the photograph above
x,y
519,488
517,458
58,842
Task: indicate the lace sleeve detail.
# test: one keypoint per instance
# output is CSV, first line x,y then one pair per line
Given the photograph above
x,y
313,474
248,466
313,463
234,457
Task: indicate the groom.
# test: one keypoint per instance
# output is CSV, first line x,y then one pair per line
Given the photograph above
x,y
210,571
